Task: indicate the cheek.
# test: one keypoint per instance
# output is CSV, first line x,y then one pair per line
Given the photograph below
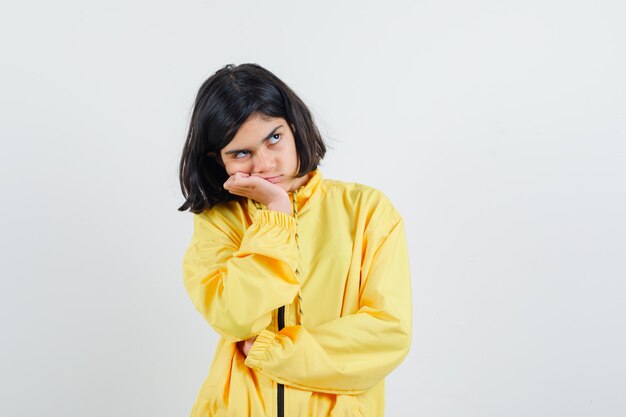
x,y
232,166
289,155
295,160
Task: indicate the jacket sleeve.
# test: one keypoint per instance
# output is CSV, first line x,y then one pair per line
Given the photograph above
x,y
350,354
235,280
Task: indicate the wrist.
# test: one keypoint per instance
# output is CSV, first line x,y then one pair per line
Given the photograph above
x,y
282,204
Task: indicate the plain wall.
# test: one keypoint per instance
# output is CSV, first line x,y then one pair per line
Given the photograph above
x,y
497,128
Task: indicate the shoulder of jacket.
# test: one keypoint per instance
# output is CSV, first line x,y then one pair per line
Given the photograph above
x,y
365,197
350,187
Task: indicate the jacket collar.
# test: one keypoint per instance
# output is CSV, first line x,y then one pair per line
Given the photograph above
x,y
306,191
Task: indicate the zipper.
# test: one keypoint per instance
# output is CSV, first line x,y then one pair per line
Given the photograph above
x,y
281,387
281,319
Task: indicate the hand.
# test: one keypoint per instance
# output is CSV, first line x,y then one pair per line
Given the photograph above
x,y
259,189
246,345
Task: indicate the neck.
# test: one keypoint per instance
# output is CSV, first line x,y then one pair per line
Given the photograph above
x,y
299,182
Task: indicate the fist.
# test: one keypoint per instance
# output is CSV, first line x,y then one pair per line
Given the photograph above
x,y
259,189
246,345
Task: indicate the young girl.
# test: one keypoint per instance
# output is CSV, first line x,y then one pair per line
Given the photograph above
x,y
306,279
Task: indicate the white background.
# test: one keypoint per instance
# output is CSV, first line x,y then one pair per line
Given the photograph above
x,y
497,128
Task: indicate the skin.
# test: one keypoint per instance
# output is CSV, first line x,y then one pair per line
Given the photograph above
x,y
262,163
246,345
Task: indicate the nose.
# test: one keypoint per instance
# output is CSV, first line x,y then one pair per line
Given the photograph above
x,y
263,161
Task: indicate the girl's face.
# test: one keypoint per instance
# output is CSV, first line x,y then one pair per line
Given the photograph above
x,y
264,147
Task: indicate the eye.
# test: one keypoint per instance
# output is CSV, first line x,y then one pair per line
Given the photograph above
x,y
274,138
240,154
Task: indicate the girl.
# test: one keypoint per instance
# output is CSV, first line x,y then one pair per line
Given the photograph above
x,y
306,279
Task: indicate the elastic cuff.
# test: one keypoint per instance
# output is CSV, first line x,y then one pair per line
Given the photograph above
x,y
276,218
259,349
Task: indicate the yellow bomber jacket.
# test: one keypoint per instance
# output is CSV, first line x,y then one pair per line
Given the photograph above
x,y
326,291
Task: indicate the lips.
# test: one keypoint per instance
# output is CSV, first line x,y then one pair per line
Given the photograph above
x,y
273,179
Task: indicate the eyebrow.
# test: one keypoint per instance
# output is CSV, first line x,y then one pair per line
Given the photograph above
x,y
269,135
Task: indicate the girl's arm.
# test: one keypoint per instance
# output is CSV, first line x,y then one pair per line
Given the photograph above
x,y
236,281
350,354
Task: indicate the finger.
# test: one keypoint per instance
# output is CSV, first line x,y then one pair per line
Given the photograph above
x,y
242,191
234,178
240,174
245,182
